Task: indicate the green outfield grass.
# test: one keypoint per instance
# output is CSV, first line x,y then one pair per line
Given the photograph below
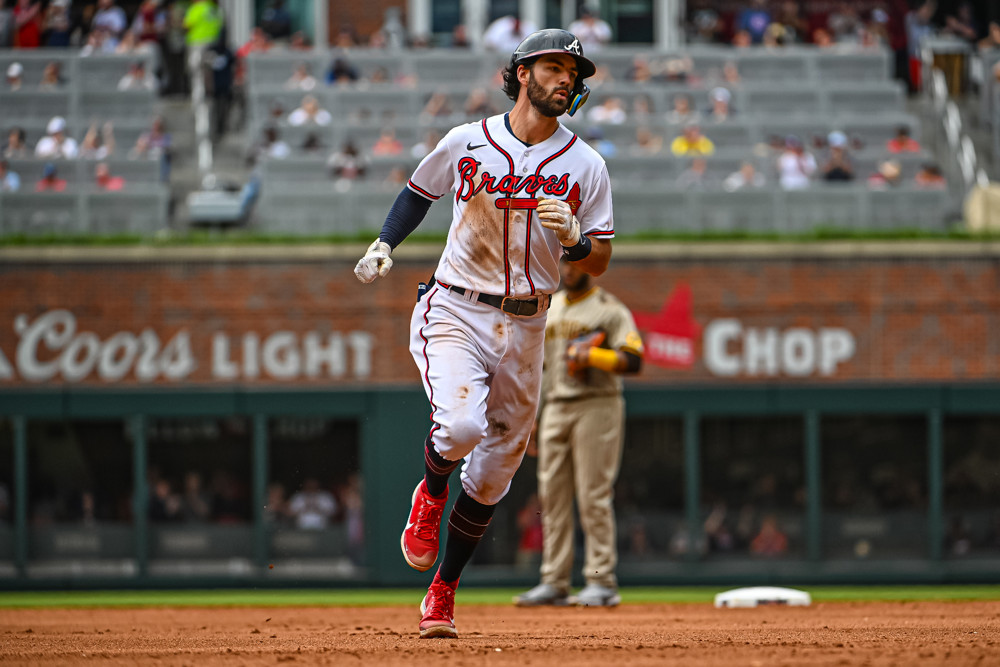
x,y
393,597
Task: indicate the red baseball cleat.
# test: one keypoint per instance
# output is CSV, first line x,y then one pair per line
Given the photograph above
x,y
420,537
438,609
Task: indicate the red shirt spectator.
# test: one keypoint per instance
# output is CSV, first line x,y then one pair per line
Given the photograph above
x,y
50,180
105,181
28,24
902,142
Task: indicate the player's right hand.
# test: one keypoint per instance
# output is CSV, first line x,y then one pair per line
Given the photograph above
x,y
376,262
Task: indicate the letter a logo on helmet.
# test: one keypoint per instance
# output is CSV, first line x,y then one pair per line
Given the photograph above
x,y
554,40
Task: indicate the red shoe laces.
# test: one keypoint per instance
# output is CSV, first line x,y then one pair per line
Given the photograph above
x,y
428,520
442,602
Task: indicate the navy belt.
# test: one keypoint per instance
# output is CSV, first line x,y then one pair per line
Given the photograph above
x,y
527,305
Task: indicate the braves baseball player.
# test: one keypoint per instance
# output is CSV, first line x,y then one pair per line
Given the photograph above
x,y
526,192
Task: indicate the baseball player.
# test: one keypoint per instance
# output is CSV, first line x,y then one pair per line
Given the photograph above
x,y
590,340
525,192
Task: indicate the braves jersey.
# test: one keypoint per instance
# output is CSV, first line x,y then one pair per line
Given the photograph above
x,y
496,245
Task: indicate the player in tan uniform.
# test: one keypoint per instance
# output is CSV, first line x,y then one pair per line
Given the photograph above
x,y
590,341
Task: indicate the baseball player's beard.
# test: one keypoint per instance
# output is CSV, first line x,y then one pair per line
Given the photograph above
x,y
546,103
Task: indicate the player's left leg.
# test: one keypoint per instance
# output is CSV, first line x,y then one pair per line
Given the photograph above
x,y
510,410
597,450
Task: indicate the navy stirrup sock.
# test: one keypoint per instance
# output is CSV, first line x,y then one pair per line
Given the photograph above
x,y
466,526
437,470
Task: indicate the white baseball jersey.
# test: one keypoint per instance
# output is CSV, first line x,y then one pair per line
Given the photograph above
x,y
496,245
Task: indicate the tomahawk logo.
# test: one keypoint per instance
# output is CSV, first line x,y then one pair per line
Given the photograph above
x,y
670,333
573,46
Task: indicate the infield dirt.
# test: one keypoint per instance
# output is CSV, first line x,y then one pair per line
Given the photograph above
x,y
835,633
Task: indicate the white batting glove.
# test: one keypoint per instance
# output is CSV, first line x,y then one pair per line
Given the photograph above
x,y
556,215
376,262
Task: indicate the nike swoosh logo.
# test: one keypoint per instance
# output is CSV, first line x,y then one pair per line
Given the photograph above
x,y
470,147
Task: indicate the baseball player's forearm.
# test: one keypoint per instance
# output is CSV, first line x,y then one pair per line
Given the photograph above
x,y
406,214
597,261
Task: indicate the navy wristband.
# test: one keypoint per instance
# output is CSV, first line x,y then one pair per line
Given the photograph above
x,y
579,251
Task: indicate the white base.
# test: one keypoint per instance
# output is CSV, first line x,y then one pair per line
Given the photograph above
x,y
763,595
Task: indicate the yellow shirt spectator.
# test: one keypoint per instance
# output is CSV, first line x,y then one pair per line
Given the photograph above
x,y
692,142
203,22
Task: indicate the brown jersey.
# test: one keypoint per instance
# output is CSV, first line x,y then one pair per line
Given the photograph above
x,y
569,319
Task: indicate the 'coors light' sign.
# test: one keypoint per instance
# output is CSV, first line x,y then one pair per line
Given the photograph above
x,y
51,348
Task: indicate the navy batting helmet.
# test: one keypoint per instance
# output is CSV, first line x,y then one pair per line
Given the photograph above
x,y
554,40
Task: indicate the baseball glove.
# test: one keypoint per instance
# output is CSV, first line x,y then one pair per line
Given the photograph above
x,y
578,352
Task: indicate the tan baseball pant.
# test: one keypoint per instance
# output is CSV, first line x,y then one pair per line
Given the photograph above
x,y
579,453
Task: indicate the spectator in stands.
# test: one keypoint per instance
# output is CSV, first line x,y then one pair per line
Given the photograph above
x,y
431,139
717,530
992,39
15,76
592,31
902,142
155,143
276,21
706,26
222,65
930,177
109,20
770,541
135,78
918,28
610,111
347,164
387,143
642,108
889,175
312,144
176,81
794,24
9,180
838,165
16,144
438,106
775,37
504,34
228,504
958,540
55,144
164,504
754,20
795,165
721,111
460,37
679,70
98,145
962,24
104,180
259,42
313,508
276,507
57,25
270,146
196,501
299,41
310,113
683,110
51,77
397,176
150,22
346,37
341,71
604,146
696,176
27,24
742,39
745,178
646,142
203,22
640,70
478,104
844,23
50,181
692,142
821,38
301,78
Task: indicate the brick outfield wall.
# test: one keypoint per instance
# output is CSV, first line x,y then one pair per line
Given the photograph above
x,y
842,319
